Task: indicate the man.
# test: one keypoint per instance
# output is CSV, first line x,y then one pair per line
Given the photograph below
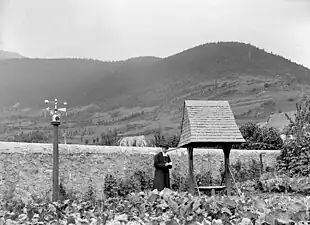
x,y
162,164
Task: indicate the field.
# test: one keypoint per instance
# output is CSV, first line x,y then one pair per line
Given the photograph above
x,y
166,207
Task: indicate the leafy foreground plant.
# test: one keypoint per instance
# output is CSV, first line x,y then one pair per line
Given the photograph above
x,y
284,184
166,207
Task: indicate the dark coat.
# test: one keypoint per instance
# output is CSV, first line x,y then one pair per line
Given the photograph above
x,y
162,177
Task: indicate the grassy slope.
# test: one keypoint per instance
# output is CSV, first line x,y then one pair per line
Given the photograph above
x,y
255,82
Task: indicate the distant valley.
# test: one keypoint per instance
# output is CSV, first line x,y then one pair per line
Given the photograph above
x,y
140,95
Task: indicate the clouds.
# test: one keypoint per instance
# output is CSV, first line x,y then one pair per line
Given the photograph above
x,y
2,21
119,29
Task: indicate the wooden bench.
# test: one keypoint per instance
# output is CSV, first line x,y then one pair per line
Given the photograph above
x,y
211,188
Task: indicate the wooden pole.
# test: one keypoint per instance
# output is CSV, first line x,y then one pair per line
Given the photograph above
x,y
191,170
226,149
261,163
55,113
55,161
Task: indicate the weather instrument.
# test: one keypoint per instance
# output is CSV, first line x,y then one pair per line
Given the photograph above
x,y
55,113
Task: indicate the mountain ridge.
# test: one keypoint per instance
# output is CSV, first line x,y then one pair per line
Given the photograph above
x,y
145,91
4,55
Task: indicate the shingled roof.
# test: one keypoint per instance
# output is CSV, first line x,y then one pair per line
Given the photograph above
x,y
208,122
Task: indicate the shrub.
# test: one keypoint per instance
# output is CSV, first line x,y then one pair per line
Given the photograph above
x,y
264,138
90,194
295,157
251,132
177,180
122,186
32,137
110,138
172,140
110,186
300,125
205,179
271,136
141,181
65,193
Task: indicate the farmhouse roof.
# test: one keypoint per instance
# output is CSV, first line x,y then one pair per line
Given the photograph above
x,y
208,122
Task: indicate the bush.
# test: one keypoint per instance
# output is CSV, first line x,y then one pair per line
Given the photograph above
x,y
32,137
110,138
110,186
294,159
300,126
178,181
271,136
205,179
64,193
141,181
172,140
90,194
263,138
255,146
122,186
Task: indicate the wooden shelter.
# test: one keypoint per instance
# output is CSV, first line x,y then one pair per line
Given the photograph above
x,y
206,123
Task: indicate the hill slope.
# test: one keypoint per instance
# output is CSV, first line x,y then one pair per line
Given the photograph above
x,y
9,55
139,94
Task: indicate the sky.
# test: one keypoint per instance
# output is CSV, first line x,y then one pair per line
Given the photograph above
x,y
121,29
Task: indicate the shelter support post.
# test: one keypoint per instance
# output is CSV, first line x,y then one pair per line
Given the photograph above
x,y
191,170
226,149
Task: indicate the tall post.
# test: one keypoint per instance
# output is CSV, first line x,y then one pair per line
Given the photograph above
x,y
55,161
226,149
55,113
191,180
